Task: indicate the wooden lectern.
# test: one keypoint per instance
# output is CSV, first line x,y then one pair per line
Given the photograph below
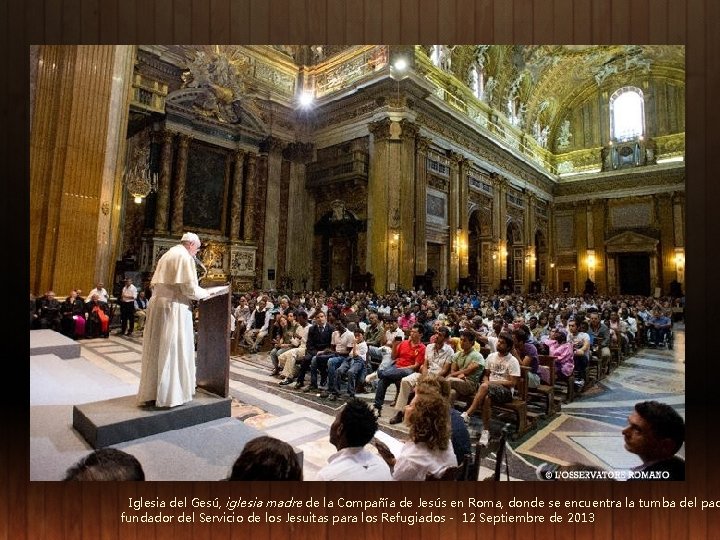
x,y
213,347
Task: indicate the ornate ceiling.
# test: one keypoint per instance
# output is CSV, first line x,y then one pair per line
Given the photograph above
x,y
544,83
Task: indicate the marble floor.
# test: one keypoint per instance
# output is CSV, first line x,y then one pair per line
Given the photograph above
x,y
586,431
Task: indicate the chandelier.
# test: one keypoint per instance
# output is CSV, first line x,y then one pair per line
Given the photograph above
x,y
139,181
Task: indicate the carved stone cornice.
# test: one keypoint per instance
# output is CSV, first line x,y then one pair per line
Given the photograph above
x,y
645,177
272,144
484,148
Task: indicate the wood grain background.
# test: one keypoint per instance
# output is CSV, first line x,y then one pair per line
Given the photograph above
x,y
58,511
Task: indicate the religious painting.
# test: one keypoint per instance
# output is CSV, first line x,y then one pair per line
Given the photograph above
x,y
204,189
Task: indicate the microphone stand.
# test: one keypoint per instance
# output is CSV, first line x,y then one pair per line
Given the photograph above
x,y
501,453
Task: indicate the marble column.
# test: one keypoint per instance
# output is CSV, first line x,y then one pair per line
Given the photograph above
x,y
407,205
666,258
249,199
391,204
421,179
237,196
380,209
500,227
300,215
530,226
162,208
176,224
679,235
463,217
454,191
271,204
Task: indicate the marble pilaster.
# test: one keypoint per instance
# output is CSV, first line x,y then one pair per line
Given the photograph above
x,y
249,199
237,196
421,148
272,211
77,149
162,207
176,223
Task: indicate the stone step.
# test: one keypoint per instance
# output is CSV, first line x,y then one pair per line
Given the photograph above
x,y
112,421
51,342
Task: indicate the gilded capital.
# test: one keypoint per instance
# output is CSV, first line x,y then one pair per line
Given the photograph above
x,y
184,140
381,129
423,144
409,129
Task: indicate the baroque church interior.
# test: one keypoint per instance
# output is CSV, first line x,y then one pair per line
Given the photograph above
x,y
383,167
519,169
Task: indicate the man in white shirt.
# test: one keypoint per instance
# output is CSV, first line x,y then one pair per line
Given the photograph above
x,y
100,291
354,426
438,359
342,342
581,347
127,307
501,375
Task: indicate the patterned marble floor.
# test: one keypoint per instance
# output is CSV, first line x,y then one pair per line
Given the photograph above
x,y
586,431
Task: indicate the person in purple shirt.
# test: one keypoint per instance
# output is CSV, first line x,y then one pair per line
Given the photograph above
x,y
527,353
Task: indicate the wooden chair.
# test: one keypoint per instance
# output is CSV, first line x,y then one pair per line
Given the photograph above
x,y
566,386
545,393
462,472
517,409
616,355
596,367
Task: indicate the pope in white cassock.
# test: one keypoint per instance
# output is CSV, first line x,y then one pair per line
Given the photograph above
x,y
168,357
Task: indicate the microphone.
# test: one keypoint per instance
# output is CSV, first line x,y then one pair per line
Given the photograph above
x,y
201,265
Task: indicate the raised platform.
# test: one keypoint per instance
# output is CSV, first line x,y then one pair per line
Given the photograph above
x,y
112,421
51,342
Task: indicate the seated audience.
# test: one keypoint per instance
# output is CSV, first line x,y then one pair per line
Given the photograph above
x,y
141,304
267,458
72,310
467,368
97,318
655,432
501,375
428,452
562,350
459,434
438,359
408,356
49,312
353,428
106,464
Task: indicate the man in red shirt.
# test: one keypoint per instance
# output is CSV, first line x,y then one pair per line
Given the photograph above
x,y
408,356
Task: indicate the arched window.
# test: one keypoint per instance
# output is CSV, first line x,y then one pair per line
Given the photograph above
x,y
627,114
